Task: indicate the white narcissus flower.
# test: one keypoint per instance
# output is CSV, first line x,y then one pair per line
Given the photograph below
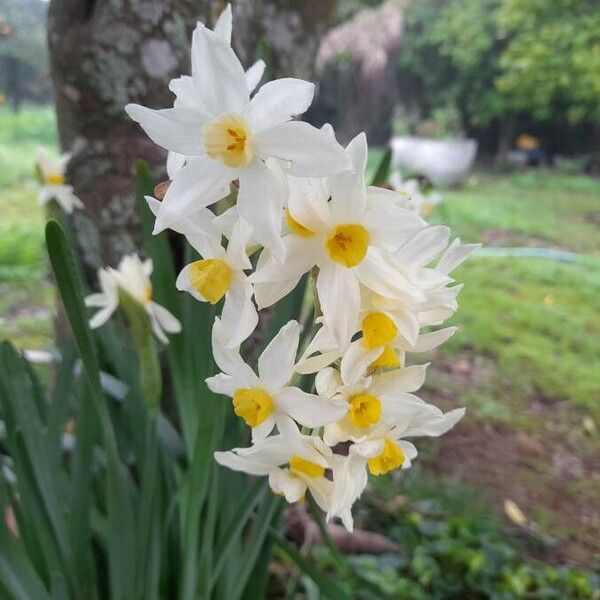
x,y
267,400
410,195
383,399
350,238
390,327
54,186
225,136
220,273
132,276
384,449
293,464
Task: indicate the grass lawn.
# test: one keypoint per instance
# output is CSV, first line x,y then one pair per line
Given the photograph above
x,y
525,361
25,294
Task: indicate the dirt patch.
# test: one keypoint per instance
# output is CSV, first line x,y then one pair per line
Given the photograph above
x,y
553,478
504,238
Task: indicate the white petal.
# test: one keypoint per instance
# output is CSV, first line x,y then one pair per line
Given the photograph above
x,y
328,382
389,225
276,102
186,95
229,360
157,329
184,284
200,183
266,294
424,246
218,74
349,194
380,273
407,323
175,162
165,319
223,25
236,250
339,296
235,462
176,129
435,426
405,379
429,341
309,410
96,300
239,317
102,316
349,481
222,384
276,363
254,74
299,257
311,151
312,364
410,453
261,432
308,202
456,254
260,203
283,482
355,361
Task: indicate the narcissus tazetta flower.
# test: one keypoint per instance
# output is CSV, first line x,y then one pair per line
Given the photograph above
x,y
225,136
267,400
54,185
133,277
293,463
347,231
220,274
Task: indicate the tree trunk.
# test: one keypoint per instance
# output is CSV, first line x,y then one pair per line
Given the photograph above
x,y
505,138
107,53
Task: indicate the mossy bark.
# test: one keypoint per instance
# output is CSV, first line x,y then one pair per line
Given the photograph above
x,y
106,53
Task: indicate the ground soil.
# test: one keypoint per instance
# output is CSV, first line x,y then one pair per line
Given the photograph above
x,y
552,473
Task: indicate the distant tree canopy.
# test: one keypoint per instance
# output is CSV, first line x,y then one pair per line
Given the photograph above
x,y
552,62
492,57
450,57
23,56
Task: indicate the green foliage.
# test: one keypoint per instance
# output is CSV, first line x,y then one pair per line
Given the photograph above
x,y
490,57
544,336
134,509
451,548
450,58
552,62
26,295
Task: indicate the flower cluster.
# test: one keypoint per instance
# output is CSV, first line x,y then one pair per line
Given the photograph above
x,y
301,202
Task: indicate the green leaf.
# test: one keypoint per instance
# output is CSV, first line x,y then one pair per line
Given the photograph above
x,y
263,521
233,530
382,173
121,515
329,589
29,444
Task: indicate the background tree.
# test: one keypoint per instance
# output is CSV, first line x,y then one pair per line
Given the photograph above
x,y
106,54
450,61
551,65
23,56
